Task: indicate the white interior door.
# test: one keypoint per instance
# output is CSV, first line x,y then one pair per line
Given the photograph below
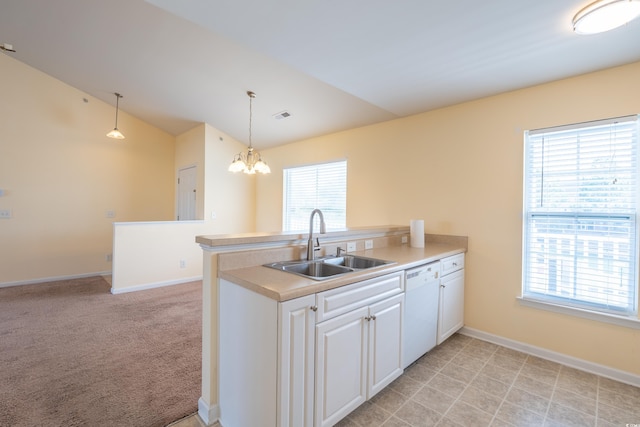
x,y
187,194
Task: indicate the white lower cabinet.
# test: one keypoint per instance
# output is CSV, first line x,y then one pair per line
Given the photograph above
x,y
357,354
296,362
320,371
451,305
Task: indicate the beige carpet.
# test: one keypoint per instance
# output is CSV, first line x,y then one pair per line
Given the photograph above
x,y
72,354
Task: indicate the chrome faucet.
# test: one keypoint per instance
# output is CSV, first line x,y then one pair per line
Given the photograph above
x,y
311,255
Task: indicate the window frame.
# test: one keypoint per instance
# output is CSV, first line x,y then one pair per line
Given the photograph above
x,y
335,216
568,304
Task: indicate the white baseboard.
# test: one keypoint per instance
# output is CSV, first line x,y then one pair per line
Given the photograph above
x,y
52,279
574,362
208,414
154,285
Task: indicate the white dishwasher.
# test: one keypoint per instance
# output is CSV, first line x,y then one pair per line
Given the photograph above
x,y
422,290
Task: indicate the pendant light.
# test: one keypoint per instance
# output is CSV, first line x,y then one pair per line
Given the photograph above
x,y
251,161
605,15
115,133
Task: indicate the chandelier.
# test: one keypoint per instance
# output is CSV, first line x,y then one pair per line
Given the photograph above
x,y
251,161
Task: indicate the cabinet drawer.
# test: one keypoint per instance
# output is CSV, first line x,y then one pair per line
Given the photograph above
x,y
337,301
450,264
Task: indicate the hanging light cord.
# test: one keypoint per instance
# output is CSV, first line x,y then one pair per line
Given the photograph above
x,y
251,96
118,96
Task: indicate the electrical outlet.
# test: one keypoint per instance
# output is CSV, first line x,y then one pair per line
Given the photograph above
x,y
5,213
351,246
109,257
368,244
404,239
214,215
110,214
183,263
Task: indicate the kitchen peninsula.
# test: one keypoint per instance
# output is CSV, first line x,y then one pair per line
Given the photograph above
x,y
261,325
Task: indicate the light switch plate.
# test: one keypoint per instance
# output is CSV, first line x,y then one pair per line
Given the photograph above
x,y
351,246
368,244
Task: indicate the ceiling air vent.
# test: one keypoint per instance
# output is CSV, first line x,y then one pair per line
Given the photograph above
x,y
282,115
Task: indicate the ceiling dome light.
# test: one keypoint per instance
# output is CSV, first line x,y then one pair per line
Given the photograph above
x,y
605,15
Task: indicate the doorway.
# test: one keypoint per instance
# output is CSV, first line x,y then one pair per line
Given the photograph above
x,y
187,178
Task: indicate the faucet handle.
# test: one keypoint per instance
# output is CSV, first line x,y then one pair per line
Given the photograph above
x,y
339,250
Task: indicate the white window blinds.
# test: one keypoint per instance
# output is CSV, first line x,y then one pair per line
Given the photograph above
x,y
322,186
580,211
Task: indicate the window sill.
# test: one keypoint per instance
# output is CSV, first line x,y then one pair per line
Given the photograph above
x,y
627,322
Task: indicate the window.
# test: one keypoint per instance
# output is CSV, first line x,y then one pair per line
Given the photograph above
x,y
580,244
322,186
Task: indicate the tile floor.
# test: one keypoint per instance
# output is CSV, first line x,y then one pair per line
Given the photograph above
x,y
467,382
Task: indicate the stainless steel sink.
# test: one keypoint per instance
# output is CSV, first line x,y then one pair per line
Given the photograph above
x,y
326,268
356,262
316,270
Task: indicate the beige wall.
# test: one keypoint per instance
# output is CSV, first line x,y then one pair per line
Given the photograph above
x,y
460,169
230,196
190,152
60,174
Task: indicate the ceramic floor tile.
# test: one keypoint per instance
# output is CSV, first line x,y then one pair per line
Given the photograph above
x,y
628,401
468,382
395,422
615,415
497,373
447,385
534,386
481,400
490,385
466,415
370,415
420,372
459,373
468,362
529,401
567,417
574,401
518,416
434,399
433,361
506,362
406,386
389,400
417,415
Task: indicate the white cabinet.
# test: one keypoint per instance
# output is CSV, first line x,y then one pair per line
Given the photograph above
x,y
359,352
341,348
451,300
296,362
385,343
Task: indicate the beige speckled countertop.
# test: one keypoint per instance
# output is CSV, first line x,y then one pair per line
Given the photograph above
x,y
283,286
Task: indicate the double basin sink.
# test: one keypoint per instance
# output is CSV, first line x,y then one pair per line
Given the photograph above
x,y
328,267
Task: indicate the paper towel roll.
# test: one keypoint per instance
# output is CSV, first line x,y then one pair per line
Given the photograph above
x,y
416,228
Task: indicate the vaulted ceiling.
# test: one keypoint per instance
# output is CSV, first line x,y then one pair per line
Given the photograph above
x,y
331,64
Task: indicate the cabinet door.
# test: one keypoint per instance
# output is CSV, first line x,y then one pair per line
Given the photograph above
x,y
451,310
341,358
296,361
385,343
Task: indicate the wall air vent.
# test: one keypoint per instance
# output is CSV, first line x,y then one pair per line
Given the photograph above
x,y
282,115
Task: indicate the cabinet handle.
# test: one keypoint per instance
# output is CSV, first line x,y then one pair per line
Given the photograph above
x,y
314,308
373,317
370,318
442,286
455,264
